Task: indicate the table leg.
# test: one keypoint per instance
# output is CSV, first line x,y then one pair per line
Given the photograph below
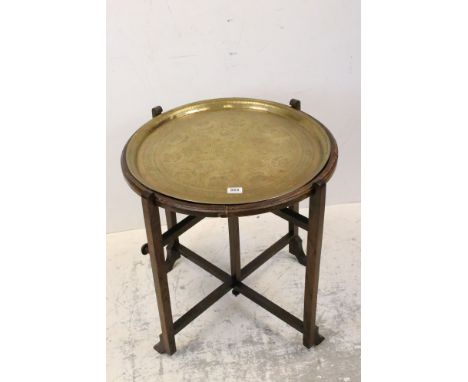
x,y
314,247
295,245
234,248
158,266
172,249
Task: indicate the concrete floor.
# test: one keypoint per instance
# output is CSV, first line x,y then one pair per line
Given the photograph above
x,y
236,340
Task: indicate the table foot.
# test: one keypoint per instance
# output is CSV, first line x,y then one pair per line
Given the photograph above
x,y
295,248
159,347
318,338
235,292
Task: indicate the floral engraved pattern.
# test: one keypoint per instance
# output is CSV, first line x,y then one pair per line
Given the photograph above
x,y
198,155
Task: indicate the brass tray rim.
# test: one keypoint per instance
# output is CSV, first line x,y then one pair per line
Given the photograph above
x,y
229,209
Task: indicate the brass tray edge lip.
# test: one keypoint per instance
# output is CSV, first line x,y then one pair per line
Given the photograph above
x,y
137,185
224,210
153,123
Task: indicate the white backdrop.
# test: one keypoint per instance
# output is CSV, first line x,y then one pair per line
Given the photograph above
x,y
173,52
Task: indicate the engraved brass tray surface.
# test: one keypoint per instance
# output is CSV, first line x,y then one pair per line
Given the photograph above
x,y
202,152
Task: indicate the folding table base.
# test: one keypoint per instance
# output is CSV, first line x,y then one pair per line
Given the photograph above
x,y
233,280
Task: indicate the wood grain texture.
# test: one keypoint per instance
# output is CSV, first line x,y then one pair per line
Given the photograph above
x,y
314,249
158,266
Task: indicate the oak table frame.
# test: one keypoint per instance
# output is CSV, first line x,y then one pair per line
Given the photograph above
x,y
286,207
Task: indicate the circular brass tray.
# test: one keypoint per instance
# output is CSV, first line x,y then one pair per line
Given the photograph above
x,y
228,151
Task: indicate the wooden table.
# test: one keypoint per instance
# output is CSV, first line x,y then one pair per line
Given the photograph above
x,y
229,158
